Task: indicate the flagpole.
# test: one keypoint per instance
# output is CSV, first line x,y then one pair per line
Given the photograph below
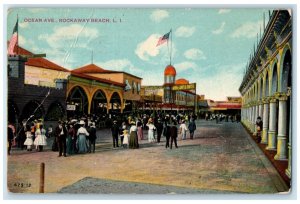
x,y
17,34
171,46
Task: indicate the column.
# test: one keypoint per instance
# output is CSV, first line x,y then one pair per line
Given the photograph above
x,y
272,125
264,139
254,119
281,138
288,171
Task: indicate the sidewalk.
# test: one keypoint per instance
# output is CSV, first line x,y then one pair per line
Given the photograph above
x,y
221,158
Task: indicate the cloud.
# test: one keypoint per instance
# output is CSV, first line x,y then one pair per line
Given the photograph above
x,y
247,30
183,66
222,11
184,31
22,40
148,48
194,54
74,35
222,84
64,40
120,65
220,29
24,24
159,15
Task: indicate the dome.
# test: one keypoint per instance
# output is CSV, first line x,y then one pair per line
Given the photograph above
x,y
170,70
181,81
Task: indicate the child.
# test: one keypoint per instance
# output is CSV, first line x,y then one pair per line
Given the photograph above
x,y
182,130
125,140
29,140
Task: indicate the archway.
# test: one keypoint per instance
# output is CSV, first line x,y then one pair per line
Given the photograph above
x,y
285,84
274,82
55,112
261,89
12,112
32,110
99,103
115,103
267,83
77,102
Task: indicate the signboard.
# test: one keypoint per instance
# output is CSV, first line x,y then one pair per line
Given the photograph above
x,y
71,107
184,87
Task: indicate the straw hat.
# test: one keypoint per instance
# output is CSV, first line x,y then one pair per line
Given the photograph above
x,y
125,131
81,122
132,122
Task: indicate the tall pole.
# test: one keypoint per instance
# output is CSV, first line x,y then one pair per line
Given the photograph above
x,y
171,47
17,34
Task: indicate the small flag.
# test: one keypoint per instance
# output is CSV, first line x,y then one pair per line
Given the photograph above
x,y
13,40
163,39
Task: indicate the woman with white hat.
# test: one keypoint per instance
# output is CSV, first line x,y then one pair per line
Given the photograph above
x,y
151,130
81,139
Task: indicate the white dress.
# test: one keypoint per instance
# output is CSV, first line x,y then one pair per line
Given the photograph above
x,y
125,140
41,138
29,140
183,130
151,132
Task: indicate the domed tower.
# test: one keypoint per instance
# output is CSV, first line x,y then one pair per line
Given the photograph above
x,y
169,80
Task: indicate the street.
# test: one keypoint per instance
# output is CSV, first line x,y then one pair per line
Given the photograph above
x,y
222,158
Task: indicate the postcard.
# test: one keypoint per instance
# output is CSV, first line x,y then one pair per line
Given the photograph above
x,y
149,100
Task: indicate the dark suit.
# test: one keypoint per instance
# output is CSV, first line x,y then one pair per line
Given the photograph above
x,y
173,135
159,127
115,133
61,138
167,135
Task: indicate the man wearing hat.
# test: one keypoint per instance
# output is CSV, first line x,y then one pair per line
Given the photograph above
x,y
92,137
61,135
159,126
115,133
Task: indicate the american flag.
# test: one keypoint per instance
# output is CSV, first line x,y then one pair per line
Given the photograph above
x,y
13,40
163,39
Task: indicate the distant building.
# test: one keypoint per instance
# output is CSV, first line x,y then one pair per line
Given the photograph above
x,y
174,94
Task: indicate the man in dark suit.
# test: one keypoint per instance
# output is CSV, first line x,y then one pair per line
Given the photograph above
x,y
61,134
115,133
173,134
159,127
166,131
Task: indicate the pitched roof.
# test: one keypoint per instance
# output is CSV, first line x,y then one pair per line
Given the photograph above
x,y
40,62
92,68
85,76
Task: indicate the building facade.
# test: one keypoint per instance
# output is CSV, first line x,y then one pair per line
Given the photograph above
x,y
267,87
116,91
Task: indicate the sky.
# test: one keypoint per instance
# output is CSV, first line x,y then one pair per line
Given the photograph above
x,y
210,47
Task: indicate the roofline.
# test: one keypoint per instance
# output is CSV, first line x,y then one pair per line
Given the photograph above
x,y
112,72
96,79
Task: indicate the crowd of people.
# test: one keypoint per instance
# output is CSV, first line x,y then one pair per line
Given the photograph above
x,y
78,135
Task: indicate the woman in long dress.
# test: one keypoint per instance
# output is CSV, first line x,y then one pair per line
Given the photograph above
x,y
71,140
40,138
151,130
82,133
133,140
